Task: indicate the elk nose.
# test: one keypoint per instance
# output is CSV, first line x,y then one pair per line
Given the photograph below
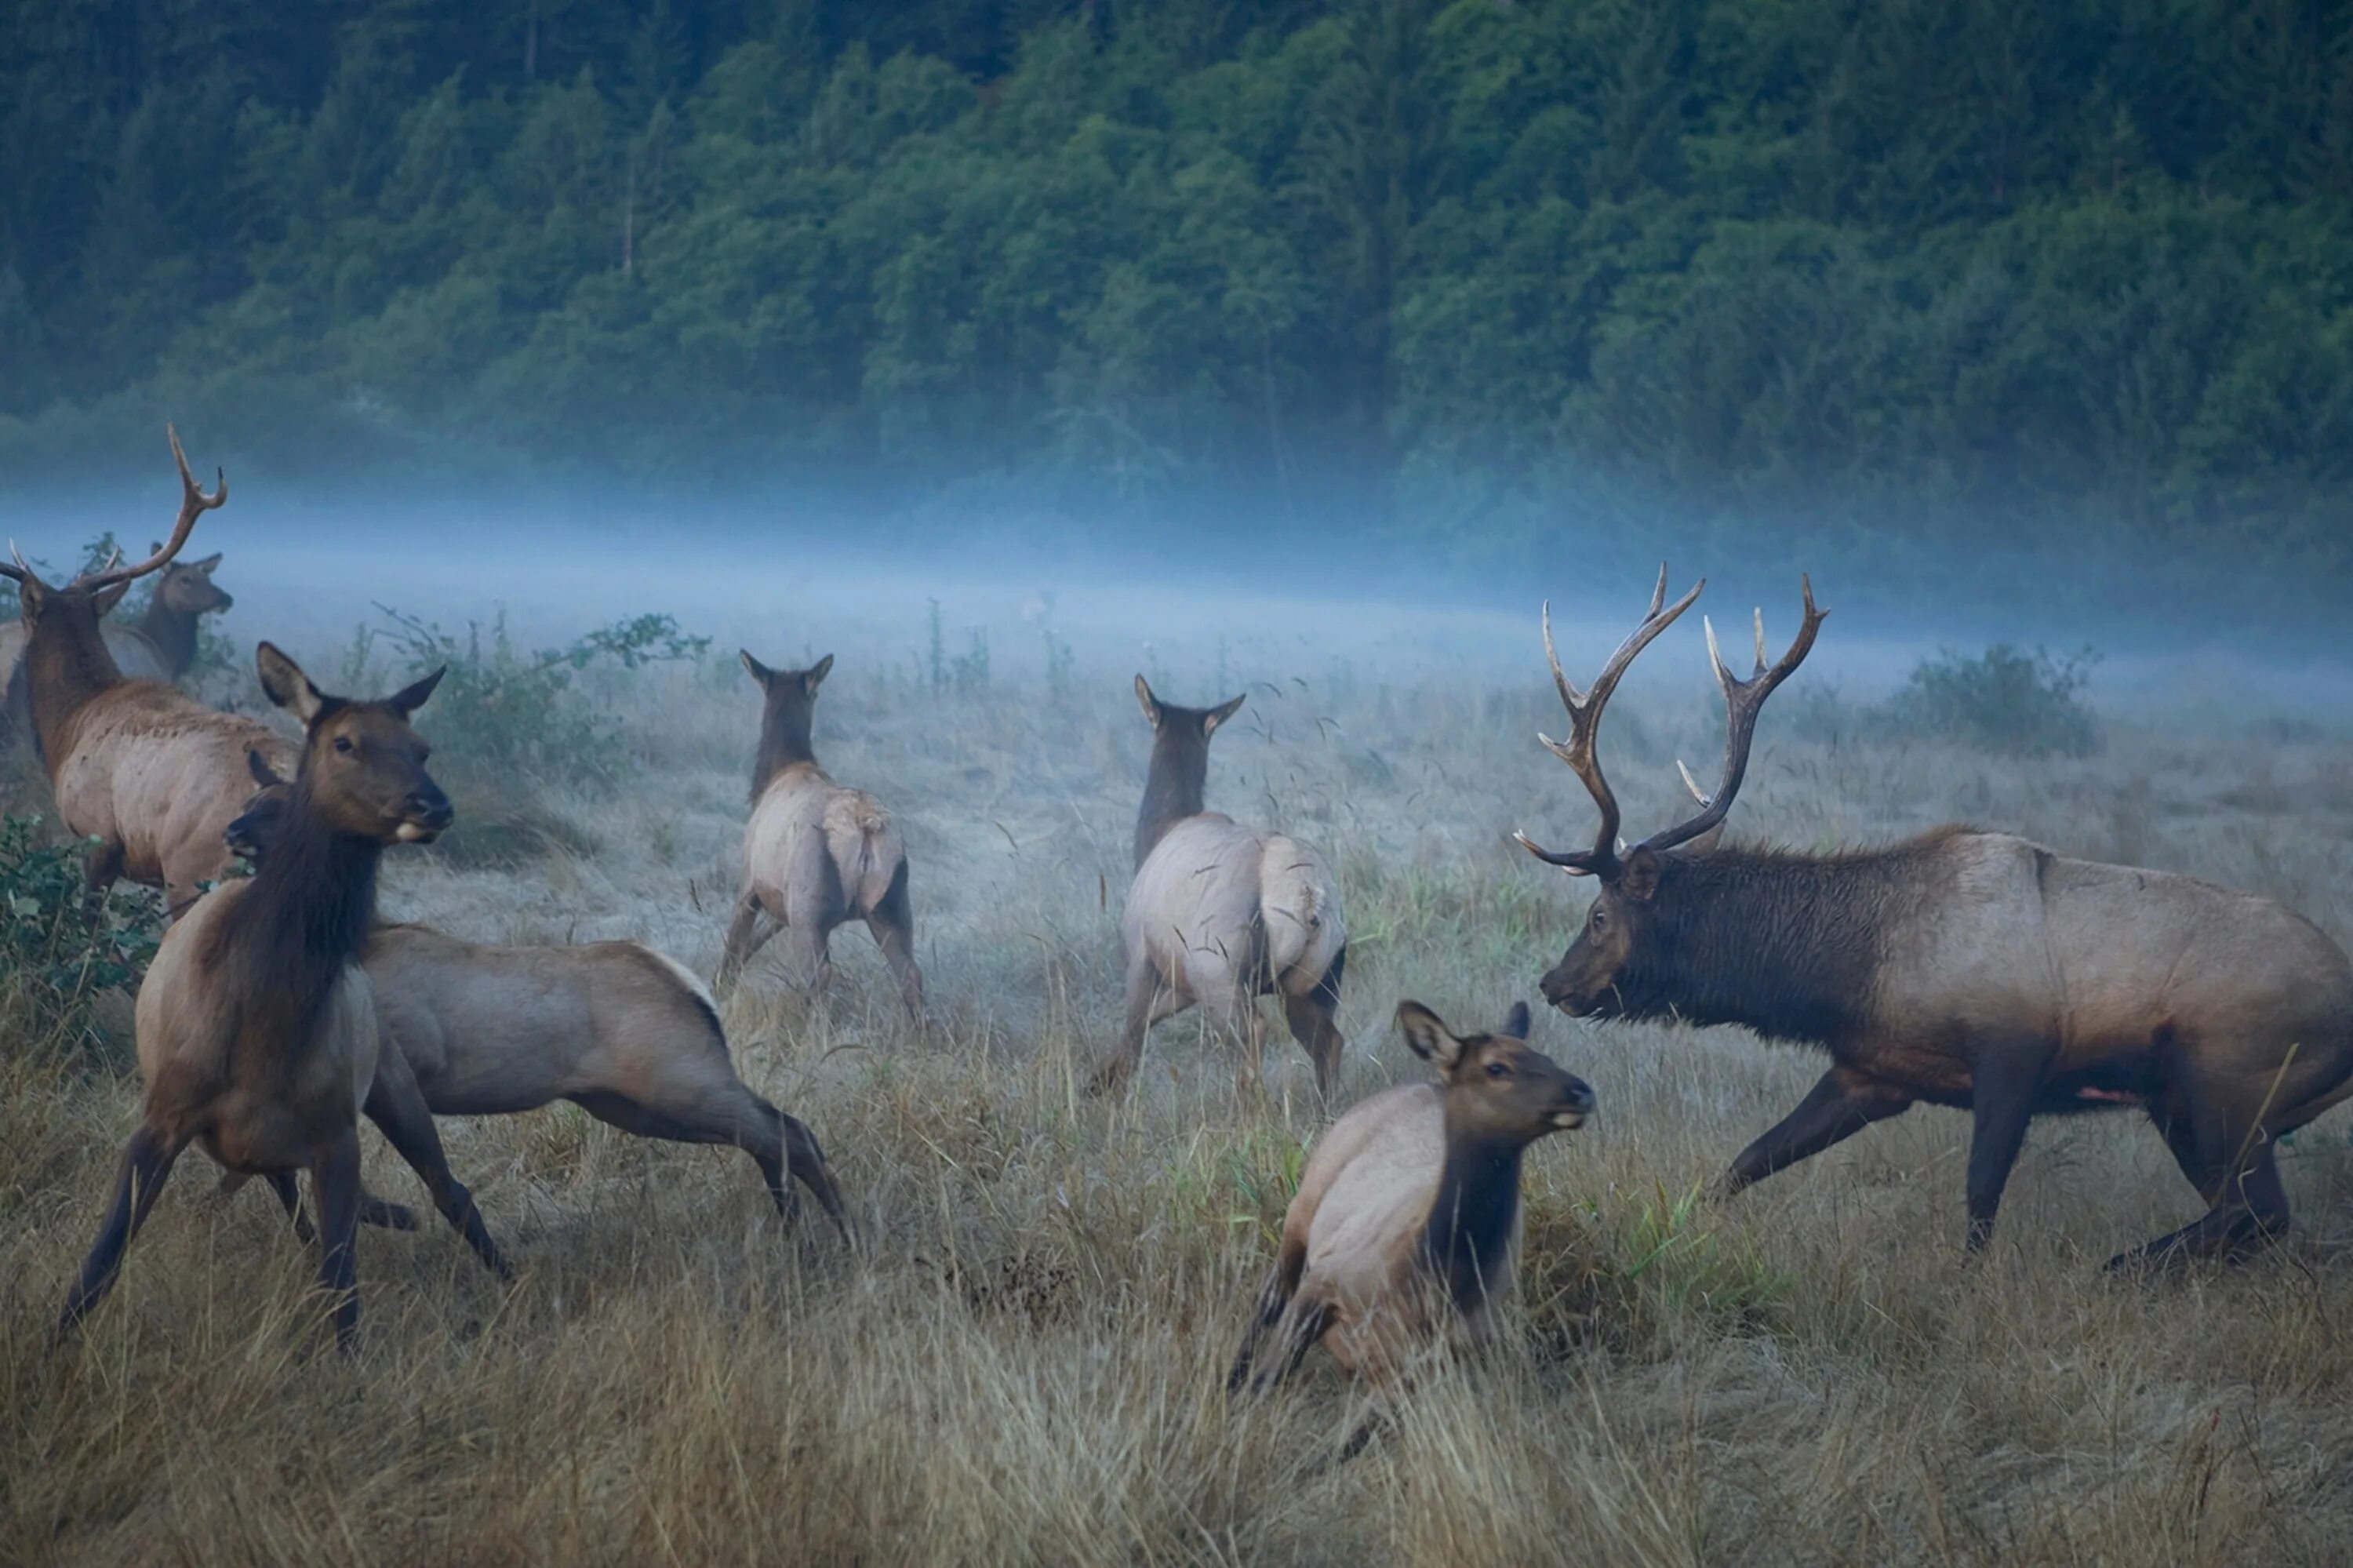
x,y
1580,1097
429,808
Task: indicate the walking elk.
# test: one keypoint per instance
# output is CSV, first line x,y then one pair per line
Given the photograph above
x,y
816,854
150,772
257,1030
1410,1201
1222,915
614,1027
1965,969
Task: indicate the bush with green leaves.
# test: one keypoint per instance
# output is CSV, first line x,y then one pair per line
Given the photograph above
x,y
55,960
2009,701
503,709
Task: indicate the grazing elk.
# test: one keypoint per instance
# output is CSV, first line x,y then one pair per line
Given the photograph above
x,y
1410,1205
617,1028
1964,968
1221,914
257,1030
150,772
816,854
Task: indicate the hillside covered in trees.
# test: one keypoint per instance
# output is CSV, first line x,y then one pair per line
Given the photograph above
x,y
1879,275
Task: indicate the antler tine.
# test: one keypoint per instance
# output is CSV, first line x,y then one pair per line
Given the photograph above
x,y
193,504
20,571
1743,700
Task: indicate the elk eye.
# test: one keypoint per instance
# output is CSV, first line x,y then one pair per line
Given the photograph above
x,y
1599,920
1498,1070
343,744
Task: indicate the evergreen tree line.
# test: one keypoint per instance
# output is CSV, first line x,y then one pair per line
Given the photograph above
x,y
1867,274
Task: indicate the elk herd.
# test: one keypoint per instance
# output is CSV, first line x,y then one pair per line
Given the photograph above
x,y
1961,968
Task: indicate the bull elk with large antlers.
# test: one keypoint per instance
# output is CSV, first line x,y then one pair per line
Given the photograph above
x,y
257,1030
150,772
1964,968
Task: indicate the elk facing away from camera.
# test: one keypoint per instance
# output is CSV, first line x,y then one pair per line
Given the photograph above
x,y
614,1027
1964,968
1222,915
1410,1204
257,1034
816,854
150,772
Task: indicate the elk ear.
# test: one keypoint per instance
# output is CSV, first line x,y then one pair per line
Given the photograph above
x,y
1640,877
284,683
259,766
1427,1034
205,566
1221,713
1515,1027
754,668
106,599
817,674
411,697
1147,702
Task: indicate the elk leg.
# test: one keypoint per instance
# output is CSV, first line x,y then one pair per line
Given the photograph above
x,y
374,1210
2001,1101
1273,1300
138,1180
336,1178
1839,1105
779,1144
1301,1329
1148,1004
291,1197
745,937
2246,1211
1311,1025
892,924
100,870
397,1107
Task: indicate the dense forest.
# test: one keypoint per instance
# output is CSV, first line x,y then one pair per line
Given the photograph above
x,y
1872,273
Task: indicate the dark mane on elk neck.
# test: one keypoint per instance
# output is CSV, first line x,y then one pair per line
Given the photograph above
x,y
787,717
1470,1226
1180,770
66,663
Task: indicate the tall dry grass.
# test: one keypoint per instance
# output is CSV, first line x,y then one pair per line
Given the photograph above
x,y
1028,1367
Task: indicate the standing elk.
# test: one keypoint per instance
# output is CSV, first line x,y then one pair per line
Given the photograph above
x,y
257,1030
150,772
617,1028
162,647
816,854
1221,914
1410,1205
1964,968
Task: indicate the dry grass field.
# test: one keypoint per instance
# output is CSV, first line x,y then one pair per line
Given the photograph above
x,y
1026,1365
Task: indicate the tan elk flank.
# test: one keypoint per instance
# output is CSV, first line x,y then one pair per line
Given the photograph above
x,y
1964,968
816,854
150,772
162,647
1410,1205
257,1031
617,1028
1219,915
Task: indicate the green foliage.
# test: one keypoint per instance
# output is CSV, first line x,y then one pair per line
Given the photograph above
x,y
499,710
55,964
2007,701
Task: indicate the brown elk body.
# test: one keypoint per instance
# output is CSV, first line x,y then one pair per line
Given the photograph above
x,y
816,854
1220,915
150,772
1410,1205
1970,969
257,1034
162,647
617,1028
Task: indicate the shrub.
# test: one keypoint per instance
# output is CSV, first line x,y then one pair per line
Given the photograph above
x,y
2008,701
55,964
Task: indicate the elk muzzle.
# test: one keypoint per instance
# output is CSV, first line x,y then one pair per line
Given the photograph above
x,y
429,814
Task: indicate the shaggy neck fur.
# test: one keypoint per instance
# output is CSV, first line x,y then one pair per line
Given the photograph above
x,y
783,741
1784,944
280,949
1470,1226
172,633
66,665
1172,788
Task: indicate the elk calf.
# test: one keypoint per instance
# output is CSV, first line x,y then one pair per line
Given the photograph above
x,y
816,854
1221,914
257,1031
1963,969
1410,1201
150,772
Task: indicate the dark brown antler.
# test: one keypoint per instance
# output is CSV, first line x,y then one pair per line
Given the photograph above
x,y
1584,721
1741,702
193,504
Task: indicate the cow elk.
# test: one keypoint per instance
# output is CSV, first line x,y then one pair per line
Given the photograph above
x,y
816,854
257,1030
1964,968
150,772
614,1027
1220,915
1407,1212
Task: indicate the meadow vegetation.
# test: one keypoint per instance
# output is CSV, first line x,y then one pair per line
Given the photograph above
x,y
1026,1365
